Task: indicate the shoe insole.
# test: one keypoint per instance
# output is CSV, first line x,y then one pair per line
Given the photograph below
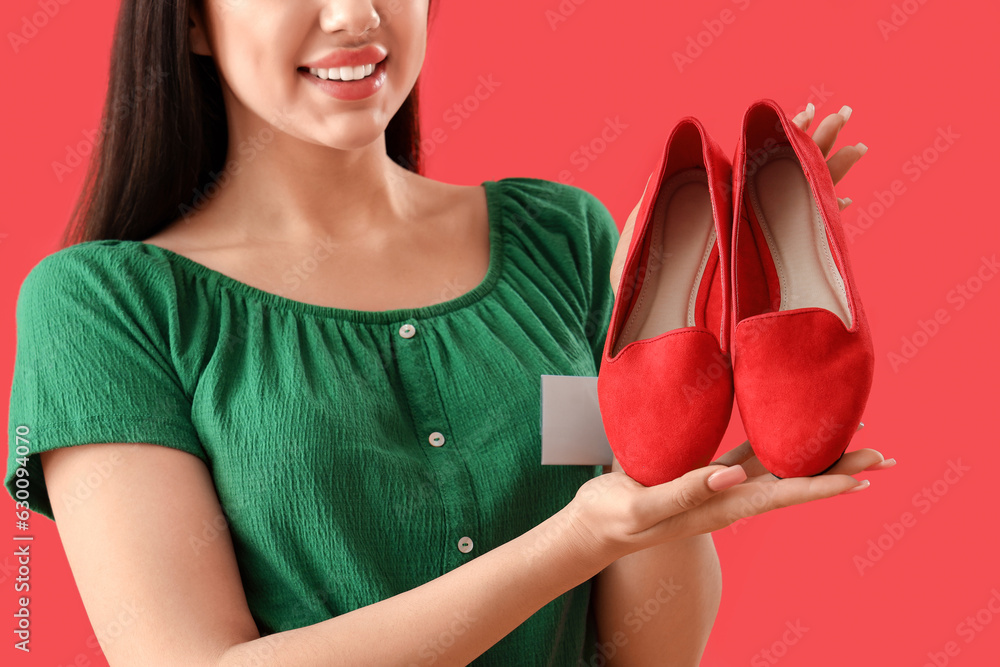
x,y
681,239
796,236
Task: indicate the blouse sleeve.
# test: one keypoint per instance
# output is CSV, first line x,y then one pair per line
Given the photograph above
x,y
93,365
604,237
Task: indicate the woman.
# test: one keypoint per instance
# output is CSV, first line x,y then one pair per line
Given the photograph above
x,y
284,389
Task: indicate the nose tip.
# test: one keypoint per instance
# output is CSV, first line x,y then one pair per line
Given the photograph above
x,y
360,22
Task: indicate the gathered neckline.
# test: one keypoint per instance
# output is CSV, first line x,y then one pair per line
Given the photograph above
x,y
489,281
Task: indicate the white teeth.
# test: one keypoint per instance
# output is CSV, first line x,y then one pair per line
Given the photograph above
x,y
344,73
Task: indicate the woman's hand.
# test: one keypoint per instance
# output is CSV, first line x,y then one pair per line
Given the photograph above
x,y
614,515
825,135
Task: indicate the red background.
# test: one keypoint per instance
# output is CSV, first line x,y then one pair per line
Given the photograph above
x,y
558,85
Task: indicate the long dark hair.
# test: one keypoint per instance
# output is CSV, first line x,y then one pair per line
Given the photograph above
x,y
164,134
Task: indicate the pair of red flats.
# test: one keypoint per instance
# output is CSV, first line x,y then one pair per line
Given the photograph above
x,y
737,283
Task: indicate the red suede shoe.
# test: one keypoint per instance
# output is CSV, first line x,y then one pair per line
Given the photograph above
x,y
665,384
801,348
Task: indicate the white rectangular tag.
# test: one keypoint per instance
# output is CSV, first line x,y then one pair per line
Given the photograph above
x,y
572,430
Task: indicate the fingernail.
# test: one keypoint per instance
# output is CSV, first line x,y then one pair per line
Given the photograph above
x,y
861,148
845,111
724,479
881,465
860,487
847,202
810,109
861,425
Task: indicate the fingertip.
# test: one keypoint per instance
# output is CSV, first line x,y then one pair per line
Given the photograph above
x,y
802,118
727,477
861,486
882,465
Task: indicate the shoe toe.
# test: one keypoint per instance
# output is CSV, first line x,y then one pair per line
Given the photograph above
x,y
665,403
802,381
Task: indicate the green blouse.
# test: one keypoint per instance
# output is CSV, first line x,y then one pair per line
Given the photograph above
x,y
356,454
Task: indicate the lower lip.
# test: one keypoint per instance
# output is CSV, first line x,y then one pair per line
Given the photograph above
x,y
357,89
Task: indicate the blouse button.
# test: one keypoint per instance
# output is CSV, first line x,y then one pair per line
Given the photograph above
x,y
465,545
436,439
407,331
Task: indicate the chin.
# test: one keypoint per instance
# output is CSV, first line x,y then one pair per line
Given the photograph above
x,y
353,138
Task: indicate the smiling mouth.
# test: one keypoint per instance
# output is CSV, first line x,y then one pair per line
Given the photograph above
x,y
357,73
341,73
